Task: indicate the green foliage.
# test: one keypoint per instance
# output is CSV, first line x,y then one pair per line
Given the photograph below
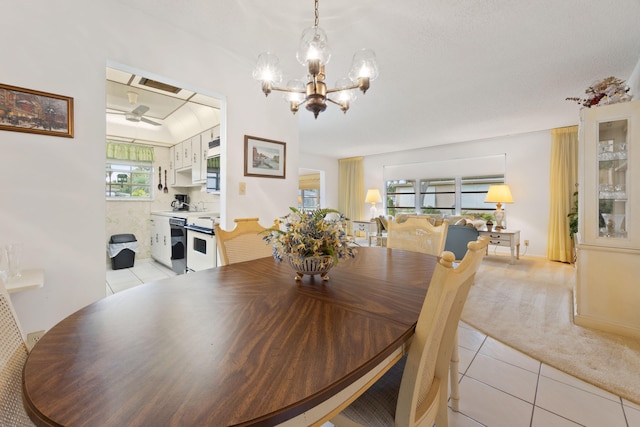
x,y
573,216
310,233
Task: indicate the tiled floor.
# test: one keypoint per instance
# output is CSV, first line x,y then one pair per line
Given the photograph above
x,y
499,386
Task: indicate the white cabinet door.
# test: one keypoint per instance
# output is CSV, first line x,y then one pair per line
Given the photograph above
x,y
161,239
178,156
196,155
172,166
186,154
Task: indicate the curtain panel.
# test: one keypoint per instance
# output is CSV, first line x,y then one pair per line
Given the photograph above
x,y
563,179
135,153
351,189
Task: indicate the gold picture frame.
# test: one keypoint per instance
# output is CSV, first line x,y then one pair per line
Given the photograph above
x,y
265,158
32,111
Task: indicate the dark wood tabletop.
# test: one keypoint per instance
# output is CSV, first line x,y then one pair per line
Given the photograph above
x,y
243,344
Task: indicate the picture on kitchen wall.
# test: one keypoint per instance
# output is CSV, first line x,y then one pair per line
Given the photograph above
x,y
26,110
264,157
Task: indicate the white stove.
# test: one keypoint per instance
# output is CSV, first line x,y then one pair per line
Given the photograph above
x,y
201,243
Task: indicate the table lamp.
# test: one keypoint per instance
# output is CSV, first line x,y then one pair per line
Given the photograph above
x,y
499,193
373,197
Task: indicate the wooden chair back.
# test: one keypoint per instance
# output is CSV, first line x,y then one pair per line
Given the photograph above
x,y
243,243
13,355
417,235
414,392
423,395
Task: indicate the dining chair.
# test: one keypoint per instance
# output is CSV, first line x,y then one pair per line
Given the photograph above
x,y
417,235
414,391
13,354
243,243
457,238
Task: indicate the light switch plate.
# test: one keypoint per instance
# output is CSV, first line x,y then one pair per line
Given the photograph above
x,y
243,188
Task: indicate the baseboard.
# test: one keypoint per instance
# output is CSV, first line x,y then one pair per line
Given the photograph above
x,y
606,326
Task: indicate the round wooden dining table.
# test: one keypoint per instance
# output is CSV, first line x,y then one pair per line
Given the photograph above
x,y
239,345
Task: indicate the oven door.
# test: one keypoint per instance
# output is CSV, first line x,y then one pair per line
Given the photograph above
x,y
201,250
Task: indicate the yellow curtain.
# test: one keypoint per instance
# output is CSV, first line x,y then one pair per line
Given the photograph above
x,y
351,189
563,178
136,153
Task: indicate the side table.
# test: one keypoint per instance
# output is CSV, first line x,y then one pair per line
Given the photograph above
x,y
367,227
508,238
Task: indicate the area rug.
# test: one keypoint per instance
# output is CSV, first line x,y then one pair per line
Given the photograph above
x,y
528,306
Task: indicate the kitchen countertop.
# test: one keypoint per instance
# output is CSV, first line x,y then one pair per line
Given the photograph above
x,y
186,214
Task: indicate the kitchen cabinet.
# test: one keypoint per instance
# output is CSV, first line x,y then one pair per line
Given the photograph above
x,y
172,166
161,239
608,247
199,149
186,153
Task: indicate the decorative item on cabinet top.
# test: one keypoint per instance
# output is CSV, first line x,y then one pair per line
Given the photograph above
x,y
609,90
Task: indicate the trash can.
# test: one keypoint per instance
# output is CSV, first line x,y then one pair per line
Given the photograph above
x,y
122,250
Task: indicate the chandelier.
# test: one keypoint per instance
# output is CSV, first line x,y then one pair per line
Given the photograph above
x,y
313,53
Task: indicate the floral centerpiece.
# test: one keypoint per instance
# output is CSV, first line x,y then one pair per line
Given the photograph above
x,y
610,90
311,241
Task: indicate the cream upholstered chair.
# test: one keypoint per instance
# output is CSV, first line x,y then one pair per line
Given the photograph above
x,y
13,354
414,391
417,235
243,243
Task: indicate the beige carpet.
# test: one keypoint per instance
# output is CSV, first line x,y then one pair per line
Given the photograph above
x,y
528,306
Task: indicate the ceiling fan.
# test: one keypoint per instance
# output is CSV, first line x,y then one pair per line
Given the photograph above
x,y
137,114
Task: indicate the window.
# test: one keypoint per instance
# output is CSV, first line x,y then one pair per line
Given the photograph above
x,y
401,196
449,196
438,195
213,174
129,180
474,191
309,199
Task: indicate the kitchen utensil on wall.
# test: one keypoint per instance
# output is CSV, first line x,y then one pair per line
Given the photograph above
x,y
166,189
160,177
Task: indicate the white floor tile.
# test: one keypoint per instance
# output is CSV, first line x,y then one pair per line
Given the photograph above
x,y
578,405
543,418
631,404
470,338
505,377
500,351
493,407
148,272
553,373
466,356
456,419
633,416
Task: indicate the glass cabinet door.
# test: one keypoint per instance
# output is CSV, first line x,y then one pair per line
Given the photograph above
x,y
612,178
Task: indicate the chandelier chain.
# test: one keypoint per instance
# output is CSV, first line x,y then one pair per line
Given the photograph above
x,y
315,24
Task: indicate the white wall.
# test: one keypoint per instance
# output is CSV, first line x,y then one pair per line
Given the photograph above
x,y
331,168
53,188
527,173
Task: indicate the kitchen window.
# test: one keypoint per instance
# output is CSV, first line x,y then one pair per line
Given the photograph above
x,y
128,180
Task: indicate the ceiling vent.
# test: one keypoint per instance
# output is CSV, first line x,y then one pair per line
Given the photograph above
x,y
158,85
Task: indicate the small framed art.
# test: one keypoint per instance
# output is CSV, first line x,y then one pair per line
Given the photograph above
x,y
264,157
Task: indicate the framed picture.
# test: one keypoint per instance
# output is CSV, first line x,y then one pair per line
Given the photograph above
x,y
26,110
264,157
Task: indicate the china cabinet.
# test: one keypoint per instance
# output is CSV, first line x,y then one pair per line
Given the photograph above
x,y
607,293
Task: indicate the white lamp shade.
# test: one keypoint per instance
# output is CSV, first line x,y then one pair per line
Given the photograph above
x,y
499,193
373,196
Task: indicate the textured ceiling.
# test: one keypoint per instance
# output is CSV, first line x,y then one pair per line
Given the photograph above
x,y
450,71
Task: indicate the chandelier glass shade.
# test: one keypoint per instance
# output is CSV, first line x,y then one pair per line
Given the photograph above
x,y
313,52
